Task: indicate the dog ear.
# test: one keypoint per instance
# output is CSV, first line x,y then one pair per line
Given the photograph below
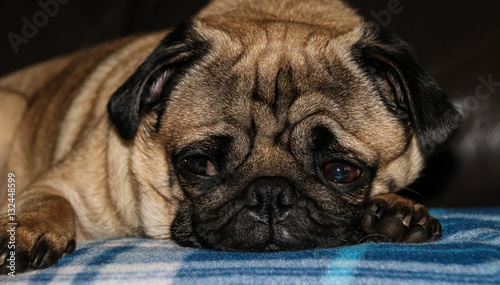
x,y
149,86
417,97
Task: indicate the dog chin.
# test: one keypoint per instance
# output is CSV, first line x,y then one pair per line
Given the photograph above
x,y
265,238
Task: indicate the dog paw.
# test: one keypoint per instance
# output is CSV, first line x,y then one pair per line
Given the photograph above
x,y
391,218
32,244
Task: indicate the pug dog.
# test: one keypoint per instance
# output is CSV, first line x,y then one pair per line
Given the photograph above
x,y
257,126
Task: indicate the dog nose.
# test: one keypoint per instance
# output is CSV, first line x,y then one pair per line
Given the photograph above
x,y
270,199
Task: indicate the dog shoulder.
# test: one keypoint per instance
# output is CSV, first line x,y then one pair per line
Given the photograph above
x,y
53,105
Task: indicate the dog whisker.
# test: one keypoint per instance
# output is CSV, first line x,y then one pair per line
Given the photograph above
x,y
143,192
413,191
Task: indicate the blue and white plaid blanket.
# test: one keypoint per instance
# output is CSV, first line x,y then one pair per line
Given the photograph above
x,y
468,253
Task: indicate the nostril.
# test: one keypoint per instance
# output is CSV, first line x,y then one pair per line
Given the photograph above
x,y
287,198
253,199
271,190
270,199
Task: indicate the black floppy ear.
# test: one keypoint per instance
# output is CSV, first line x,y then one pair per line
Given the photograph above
x,y
149,86
416,96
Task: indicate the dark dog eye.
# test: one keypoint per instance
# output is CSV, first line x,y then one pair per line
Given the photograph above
x,y
200,165
339,172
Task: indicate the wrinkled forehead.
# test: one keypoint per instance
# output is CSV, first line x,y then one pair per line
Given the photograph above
x,y
268,42
280,78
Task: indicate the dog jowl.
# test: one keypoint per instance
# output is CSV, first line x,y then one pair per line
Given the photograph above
x,y
254,127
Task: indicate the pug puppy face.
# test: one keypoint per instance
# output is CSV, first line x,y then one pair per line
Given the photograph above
x,y
258,134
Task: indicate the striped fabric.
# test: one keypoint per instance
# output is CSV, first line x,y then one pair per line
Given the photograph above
x,y
468,253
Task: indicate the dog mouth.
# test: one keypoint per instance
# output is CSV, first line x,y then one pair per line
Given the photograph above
x,y
270,215
296,232
300,227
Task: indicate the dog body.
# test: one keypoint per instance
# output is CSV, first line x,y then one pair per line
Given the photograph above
x,y
65,127
258,126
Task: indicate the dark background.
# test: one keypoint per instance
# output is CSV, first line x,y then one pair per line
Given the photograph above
x,y
457,42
